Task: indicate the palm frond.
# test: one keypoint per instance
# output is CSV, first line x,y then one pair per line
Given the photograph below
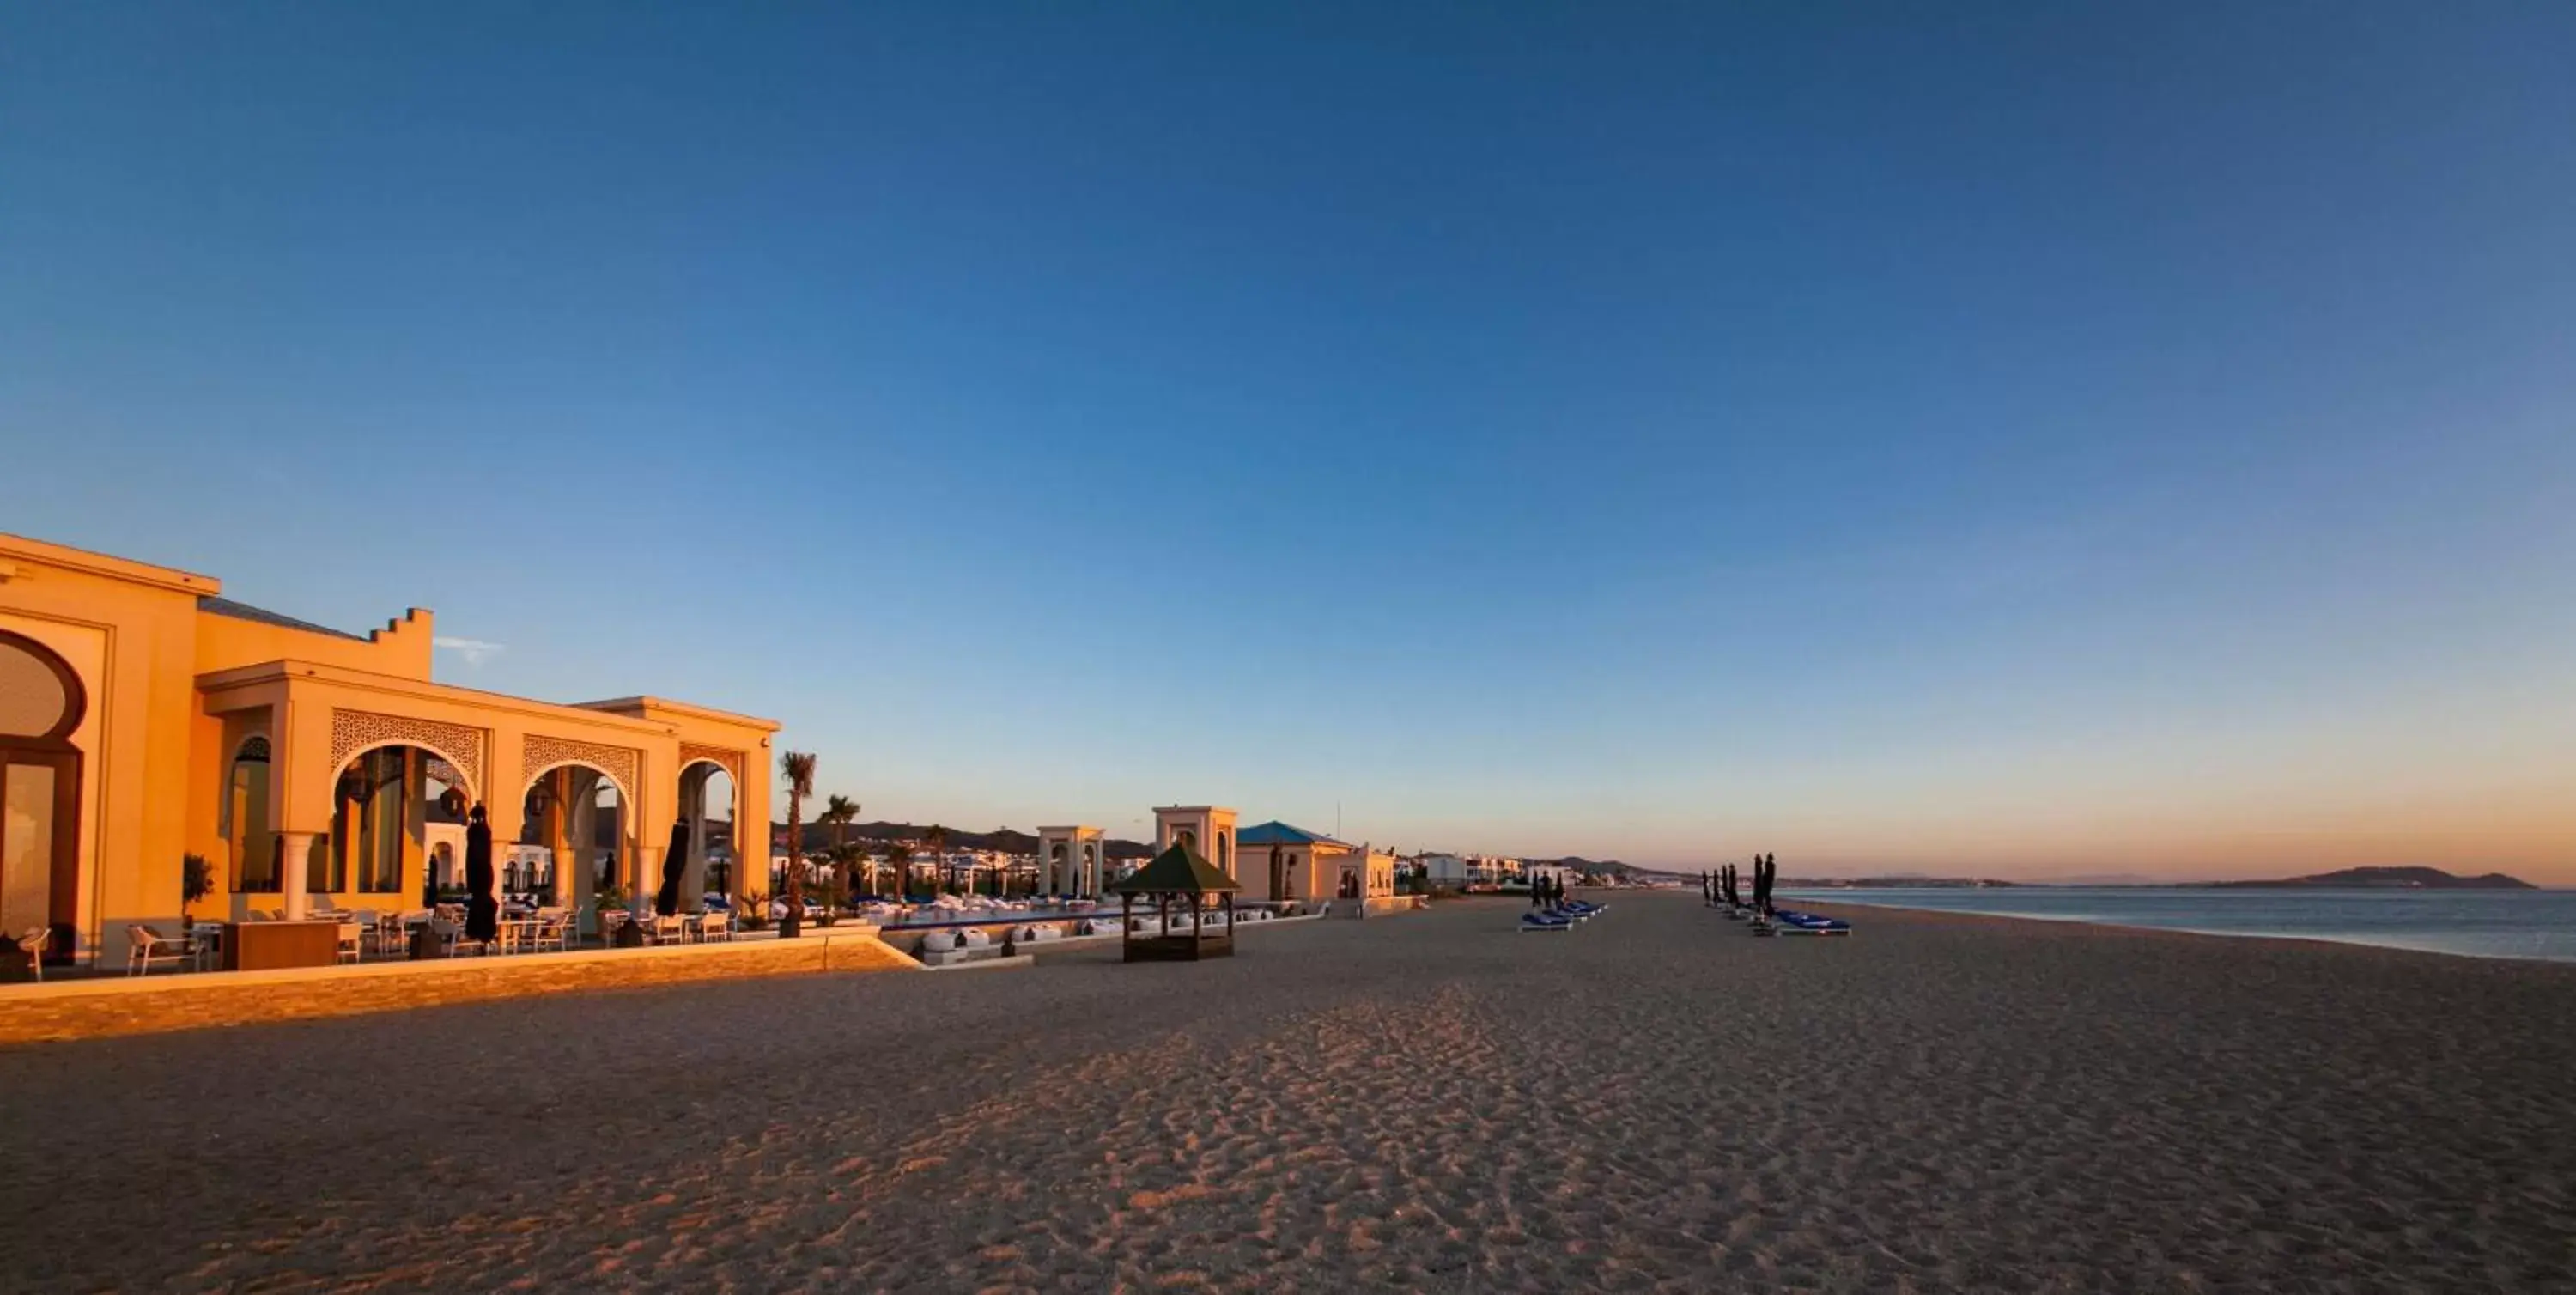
x,y
798,768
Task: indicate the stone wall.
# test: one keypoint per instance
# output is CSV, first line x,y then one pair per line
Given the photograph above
x,y
93,1008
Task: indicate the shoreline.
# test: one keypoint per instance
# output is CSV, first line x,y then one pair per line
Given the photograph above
x,y
2363,940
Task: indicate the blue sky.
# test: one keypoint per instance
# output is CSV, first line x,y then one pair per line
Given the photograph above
x,y
2031,440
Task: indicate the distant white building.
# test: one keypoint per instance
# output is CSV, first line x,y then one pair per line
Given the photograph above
x,y
1466,870
1444,869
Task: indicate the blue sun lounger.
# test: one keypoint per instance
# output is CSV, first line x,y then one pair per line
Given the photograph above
x,y
1545,922
1809,924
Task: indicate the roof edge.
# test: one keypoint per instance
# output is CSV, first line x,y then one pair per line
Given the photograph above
x,y
108,565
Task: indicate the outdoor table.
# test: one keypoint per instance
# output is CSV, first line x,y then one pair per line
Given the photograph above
x,y
206,940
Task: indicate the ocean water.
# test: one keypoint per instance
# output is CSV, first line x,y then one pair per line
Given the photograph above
x,y
2477,923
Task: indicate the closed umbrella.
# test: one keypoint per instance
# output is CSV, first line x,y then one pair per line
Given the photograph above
x,y
675,860
482,911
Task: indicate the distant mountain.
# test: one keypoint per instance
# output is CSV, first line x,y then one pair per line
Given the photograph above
x,y
2393,878
1597,867
1896,881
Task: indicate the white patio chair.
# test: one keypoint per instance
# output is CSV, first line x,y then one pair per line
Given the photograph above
x,y
353,942
32,942
454,934
670,930
714,925
145,946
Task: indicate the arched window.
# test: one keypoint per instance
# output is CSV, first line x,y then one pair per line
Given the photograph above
x,y
42,703
246,826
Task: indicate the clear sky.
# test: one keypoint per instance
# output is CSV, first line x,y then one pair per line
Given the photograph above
x,y
2062,440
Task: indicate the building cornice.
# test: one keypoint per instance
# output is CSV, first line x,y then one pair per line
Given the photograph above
x,y
291,671
16,549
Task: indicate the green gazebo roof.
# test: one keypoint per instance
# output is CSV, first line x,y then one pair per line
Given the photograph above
x,y
1176,871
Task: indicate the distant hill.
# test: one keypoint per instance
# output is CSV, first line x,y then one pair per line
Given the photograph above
x,y
2393,878
1597,867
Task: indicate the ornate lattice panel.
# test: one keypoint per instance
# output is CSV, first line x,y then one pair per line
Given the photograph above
x,y
729,761
33,701
540,753
353,731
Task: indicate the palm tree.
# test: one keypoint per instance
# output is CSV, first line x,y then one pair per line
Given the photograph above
x,y
840,812
938,838
899,862
797,767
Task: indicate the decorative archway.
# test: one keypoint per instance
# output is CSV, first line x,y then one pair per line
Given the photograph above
x,y
42,703
355,732
563,775
382,800
702,869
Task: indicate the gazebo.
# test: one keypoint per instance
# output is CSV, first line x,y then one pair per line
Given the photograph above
x,y
1176,874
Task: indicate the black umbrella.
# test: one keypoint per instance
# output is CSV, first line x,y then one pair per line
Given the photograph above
x,y
482,911
666,901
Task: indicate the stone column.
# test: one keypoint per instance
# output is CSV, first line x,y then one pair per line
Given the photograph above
x,y
648,868
294,862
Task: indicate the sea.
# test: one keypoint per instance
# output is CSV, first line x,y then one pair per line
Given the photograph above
x,y
2537,924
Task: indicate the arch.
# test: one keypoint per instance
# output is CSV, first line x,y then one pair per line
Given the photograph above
x,y
243,820
624,794
22,693
463,770
42,703
709,761
377,840
706,856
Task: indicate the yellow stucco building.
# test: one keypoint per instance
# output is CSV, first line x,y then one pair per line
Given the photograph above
x,y
144,717
1281,862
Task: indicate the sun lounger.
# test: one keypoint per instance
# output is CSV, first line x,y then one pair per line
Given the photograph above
x,y
1790,923
1545,922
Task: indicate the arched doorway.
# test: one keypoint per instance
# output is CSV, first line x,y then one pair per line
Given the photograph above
x,y
706,816
41,704
248,834
578,815
385,805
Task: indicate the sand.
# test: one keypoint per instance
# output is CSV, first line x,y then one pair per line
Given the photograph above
x,y
1654,1101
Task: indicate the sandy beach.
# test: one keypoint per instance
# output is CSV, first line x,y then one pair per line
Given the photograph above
x,y
1654,1101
